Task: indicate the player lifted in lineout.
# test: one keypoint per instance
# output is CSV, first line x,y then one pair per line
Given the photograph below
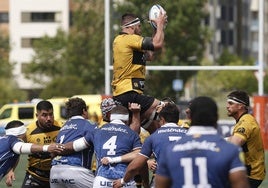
x,y
130,53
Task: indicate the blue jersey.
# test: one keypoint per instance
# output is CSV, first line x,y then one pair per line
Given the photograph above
x,y
8,158
75,128
159,140
200,160
112,140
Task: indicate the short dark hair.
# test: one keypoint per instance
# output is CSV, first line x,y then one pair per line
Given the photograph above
x,y
13,124
119,109
203,111
75,107
170,112
127,17
44,105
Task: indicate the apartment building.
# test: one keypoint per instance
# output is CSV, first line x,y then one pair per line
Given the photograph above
x,y
235,25
4,8
234,22
254,30
26,21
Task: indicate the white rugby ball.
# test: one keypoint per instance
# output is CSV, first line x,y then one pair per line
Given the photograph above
x,y
154,12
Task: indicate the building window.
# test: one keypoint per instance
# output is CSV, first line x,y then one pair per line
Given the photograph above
x,y
231,14
223,37
3,17
28,42
40,17
25,43
223,12
24,67
43,17
231,38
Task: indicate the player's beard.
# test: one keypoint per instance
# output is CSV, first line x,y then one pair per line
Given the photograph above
x,y
46,125
137,31
231,113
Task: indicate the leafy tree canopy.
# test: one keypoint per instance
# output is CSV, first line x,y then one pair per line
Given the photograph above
x,y
63,86
215,82
78,53
9,90
5,68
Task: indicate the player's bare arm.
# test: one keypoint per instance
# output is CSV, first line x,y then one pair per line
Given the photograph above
x,y
124,158
133,169
236,140
158,38
162,182
135,124
239,179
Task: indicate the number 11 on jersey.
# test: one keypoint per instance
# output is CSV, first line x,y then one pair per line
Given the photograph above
x,y
201,163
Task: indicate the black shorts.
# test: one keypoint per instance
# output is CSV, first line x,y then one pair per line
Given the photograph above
x,y
134,97
254,183
30,182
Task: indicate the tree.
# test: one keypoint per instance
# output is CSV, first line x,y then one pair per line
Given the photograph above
x,y
5,68
63,86
9,92
79,53
49,60
213,83
86,45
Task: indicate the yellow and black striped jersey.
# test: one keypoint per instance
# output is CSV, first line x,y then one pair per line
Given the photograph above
x,y
39,164
248,129
128,64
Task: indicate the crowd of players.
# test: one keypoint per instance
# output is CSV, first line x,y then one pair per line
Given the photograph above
x,y
64,155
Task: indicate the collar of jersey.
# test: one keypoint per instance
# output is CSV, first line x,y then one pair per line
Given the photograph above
x,y
201,130
77,117
117,121
123,33
170,125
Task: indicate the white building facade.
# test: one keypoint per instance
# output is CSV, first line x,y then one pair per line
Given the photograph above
x,y
30,20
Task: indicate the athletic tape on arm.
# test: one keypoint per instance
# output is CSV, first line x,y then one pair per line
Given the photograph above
x,y
22,148
79,144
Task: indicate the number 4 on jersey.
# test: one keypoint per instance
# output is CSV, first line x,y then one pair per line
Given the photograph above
x,y
110,145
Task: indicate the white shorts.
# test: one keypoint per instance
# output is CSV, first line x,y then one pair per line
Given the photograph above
x,y
101,182
62,176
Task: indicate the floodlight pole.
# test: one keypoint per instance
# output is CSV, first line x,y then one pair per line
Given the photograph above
x,y
107,47
260,76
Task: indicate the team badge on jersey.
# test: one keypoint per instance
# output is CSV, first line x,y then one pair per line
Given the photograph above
x,y
241,130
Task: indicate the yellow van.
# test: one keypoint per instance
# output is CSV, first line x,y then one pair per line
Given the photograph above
x,y
26,111
59,108
17,111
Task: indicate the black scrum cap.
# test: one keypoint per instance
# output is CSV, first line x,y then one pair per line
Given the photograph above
x,y
239,96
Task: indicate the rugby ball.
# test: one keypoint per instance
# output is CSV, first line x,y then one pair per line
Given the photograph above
x,y
154,12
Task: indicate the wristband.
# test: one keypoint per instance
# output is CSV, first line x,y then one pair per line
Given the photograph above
x,y
45,148
162,104
122,181
115,159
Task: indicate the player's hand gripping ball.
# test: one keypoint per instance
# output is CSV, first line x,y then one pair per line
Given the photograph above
x,y
154,12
